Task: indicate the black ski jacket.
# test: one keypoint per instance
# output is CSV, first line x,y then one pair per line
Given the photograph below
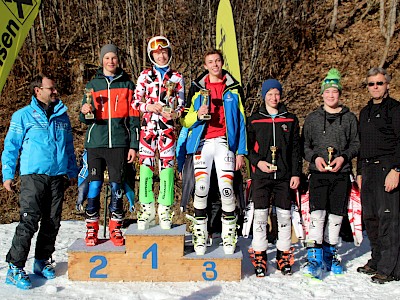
x,y
282,132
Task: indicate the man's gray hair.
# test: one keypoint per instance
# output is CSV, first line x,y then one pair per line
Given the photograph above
x,y
378,70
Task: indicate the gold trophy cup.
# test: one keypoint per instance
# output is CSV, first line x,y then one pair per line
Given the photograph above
x,y
205,94
330,152
170,87
273,150
89,100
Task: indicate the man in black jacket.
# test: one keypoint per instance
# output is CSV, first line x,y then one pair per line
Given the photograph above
x,y
275,157
378,177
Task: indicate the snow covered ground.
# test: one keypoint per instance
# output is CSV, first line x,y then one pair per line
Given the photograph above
x,y
274,286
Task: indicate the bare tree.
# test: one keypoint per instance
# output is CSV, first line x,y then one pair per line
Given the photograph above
x,y
390,26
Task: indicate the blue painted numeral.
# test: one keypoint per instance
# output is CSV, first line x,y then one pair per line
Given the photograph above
x,y
102,265
211,268
153,249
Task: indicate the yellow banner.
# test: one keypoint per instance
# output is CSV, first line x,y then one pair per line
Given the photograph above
x,y
17,17
226,39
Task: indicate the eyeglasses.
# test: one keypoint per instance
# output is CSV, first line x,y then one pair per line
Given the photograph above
x,y
49,88
378,83
333,80
159,44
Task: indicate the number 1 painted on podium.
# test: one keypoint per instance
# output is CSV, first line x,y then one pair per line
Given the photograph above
x,y
153,249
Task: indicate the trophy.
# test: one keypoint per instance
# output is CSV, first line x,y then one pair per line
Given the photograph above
x,y
330,152
273,150
89,100
170,87
205,94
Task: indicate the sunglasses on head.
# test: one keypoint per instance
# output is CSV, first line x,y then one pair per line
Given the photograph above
x,y
379,83
333,80
158,44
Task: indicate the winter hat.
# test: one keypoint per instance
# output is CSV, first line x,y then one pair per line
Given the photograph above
x,y
105,49
270,84
332,79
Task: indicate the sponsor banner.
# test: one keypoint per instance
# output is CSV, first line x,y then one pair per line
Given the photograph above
x,y
17,17
226,39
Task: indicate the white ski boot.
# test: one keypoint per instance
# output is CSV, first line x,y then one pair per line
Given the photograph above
x,y
229,235
146,216
199,234
165,215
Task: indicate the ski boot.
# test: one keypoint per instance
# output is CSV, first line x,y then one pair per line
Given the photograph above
x,y
200,234
285,261
313,266
165,215
92,228
146,216
18,277
115,226
229,234
259,261
45,268
331,259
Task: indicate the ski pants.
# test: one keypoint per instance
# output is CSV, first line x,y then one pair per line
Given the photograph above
x,y
214,150
40,200
380,212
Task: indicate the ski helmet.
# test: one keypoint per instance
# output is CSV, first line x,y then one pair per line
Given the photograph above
x,y
157,43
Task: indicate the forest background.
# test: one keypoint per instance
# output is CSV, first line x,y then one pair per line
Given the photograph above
x,y
296,42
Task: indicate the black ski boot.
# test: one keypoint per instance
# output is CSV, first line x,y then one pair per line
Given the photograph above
x,y
285,261
260,263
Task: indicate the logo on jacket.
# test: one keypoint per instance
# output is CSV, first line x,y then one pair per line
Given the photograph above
x,y
284,128
229,97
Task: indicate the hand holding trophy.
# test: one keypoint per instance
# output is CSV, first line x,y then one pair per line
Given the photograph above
x,y
89,100
170,85
205,94
330,152
273,167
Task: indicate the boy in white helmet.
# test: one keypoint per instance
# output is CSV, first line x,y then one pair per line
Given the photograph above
x,y
159,95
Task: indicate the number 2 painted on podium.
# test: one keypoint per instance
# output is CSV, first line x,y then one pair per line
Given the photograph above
x,y
102,265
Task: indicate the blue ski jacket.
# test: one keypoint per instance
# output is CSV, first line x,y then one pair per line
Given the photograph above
x,y
234,115
43,146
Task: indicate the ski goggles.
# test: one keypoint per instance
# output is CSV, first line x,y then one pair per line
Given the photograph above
x,y
333,80
159,43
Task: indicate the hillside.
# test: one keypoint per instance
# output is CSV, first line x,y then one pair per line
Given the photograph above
x,y
288,40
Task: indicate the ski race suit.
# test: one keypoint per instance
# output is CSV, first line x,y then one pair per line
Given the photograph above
x,y
329,192
283,132
113,131
157,132
221,149
41,146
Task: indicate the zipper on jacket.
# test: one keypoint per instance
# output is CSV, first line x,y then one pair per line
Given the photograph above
x,y
109,114
89,132
116,103
102,103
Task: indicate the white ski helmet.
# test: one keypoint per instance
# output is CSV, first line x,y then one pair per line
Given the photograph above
x,y
156,43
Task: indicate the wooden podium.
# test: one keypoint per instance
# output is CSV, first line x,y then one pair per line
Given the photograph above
x,y
152,255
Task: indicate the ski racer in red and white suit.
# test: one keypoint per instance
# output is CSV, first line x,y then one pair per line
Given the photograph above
x,y
154,99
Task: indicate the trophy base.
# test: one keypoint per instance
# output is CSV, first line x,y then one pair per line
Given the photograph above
x,y
167,109
89,116
205,117
273,168
328,168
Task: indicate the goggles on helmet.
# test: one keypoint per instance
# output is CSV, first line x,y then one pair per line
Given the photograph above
x,y
158,43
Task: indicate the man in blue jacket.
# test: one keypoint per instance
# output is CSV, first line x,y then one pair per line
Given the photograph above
x,y
40,138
